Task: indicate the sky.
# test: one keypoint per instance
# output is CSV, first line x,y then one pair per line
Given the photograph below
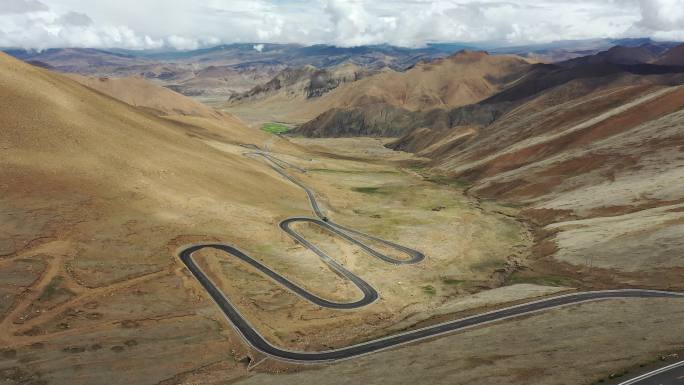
x,y
191,24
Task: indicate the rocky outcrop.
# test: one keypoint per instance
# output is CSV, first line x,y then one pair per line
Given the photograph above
x,y
384,120
370,120
307,82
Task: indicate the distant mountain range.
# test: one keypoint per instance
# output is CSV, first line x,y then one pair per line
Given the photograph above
x,y
481,99
221,71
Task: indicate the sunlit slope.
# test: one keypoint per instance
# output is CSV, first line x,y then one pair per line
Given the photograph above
x,y
80,167
142,93
603,172
464,78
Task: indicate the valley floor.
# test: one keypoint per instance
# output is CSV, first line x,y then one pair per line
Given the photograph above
x,y
82,319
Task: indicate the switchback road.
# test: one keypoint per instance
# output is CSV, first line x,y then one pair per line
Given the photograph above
x,y
258,342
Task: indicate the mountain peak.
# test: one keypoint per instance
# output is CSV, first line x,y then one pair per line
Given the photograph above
x,y
469,54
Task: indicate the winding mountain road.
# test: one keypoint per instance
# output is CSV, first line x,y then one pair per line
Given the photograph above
x,y
252,337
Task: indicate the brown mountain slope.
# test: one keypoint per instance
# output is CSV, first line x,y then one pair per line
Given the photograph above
x,y
373,117
81,164
673,57
295,94
381,119
601,173
95,197
645,53
543,88
463,78
392,103
303,82
221,82
83,60
566,81
142,93
379,115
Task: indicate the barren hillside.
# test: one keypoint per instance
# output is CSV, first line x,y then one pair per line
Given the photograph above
x,y
460,79
62,137
597,165
391,103
673,57
303,83
142,93
97,196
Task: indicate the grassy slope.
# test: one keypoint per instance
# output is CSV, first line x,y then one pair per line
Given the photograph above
x,y
275,128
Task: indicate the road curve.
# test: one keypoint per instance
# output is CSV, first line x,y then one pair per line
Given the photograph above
x,y
252,337
369,294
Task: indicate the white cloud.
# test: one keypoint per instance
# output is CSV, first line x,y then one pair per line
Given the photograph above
x,y
76,19
182,43
258,47
30,24
663,19
184,24
21,6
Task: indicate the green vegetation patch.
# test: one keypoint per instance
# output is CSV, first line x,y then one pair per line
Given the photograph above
x,y
451,281
275,128
488,265
368,190
380,190
55,289
447,181
429,289
417,167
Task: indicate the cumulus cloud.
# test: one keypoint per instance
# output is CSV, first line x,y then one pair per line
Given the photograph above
x,y
182,43
31,24
45,30
188,25
662,19
416,22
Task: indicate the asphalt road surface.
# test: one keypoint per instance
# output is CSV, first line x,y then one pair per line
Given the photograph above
x,y
252,337
668,375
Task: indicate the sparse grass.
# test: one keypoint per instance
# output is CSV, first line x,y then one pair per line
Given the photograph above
x,y
54,289
417,167
611,377
337,171
51,289
461,183
510,233
512,205
367,190
429,289
549,280
275,128
488,265
451,281
448,181
264,249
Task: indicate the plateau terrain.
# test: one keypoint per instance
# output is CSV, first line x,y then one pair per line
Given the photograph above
x,y
285,213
